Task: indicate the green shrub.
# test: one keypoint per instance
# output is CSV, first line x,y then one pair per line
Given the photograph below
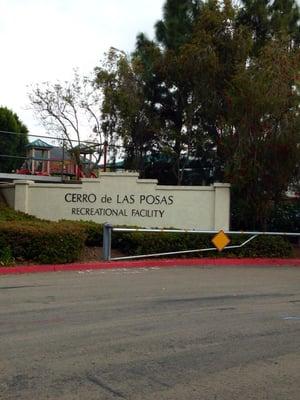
x,y
6,257
8,214
135,243
266,246
93,231
25,237
286,216
43,243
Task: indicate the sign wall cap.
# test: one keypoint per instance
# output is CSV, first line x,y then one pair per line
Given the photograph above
x,y
223,185
20,182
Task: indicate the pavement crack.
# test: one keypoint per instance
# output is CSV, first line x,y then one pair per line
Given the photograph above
x,y
20,287
106,387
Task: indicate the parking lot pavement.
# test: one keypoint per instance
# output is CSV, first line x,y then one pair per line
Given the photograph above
x,y
185,333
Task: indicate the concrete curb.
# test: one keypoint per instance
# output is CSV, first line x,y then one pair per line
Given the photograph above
x,y
161,263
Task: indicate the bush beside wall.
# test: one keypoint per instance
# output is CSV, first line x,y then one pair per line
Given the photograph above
x,y
135,243
93,231
23,237
42,242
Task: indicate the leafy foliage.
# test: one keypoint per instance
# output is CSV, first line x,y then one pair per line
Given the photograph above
x,y
213,97
6,257
11,144
260,150
136,243
93,232
43,243
8,214
26,238
286,216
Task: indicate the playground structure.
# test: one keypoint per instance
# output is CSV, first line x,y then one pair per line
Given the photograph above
x,y
66,160
43,159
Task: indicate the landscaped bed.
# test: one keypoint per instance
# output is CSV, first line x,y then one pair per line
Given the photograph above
x,y
28,240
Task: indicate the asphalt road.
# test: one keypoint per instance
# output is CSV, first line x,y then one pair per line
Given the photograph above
x,y
194,333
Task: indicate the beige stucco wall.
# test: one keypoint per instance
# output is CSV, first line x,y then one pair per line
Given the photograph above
x,y
123,199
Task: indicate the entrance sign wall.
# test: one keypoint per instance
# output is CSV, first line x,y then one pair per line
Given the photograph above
x,y
124,199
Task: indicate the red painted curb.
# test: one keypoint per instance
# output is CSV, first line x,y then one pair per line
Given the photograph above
x,y
272,262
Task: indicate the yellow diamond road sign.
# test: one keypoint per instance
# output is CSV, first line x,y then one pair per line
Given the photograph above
x,y
220,240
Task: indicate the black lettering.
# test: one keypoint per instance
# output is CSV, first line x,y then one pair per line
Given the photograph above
x,y
132,199
171,200
67,197
150,199
143,213
142,198
80,198
134,212
92,198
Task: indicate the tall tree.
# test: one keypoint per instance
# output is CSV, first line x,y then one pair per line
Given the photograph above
x,y
232,88
177,25
164,85
221,84
269,19
125,113
12,143
262,133
186,81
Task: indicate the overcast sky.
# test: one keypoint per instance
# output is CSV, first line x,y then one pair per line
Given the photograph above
x,y
44,40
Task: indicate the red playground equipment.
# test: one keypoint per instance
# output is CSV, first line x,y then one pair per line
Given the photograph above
x,y
46,160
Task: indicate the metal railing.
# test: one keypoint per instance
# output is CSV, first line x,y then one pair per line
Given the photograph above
x,y
108,229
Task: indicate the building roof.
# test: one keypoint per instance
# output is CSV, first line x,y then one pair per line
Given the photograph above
x,y
57,153
39,144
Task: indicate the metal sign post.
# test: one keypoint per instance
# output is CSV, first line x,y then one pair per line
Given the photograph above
x,y
107,228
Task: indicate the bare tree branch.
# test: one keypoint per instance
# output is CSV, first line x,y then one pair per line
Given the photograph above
x,y
70,109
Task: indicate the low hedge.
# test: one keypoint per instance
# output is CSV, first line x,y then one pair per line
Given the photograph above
x,y
41,242
286,218
135,243
8,214
93,231
24,237
6,257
